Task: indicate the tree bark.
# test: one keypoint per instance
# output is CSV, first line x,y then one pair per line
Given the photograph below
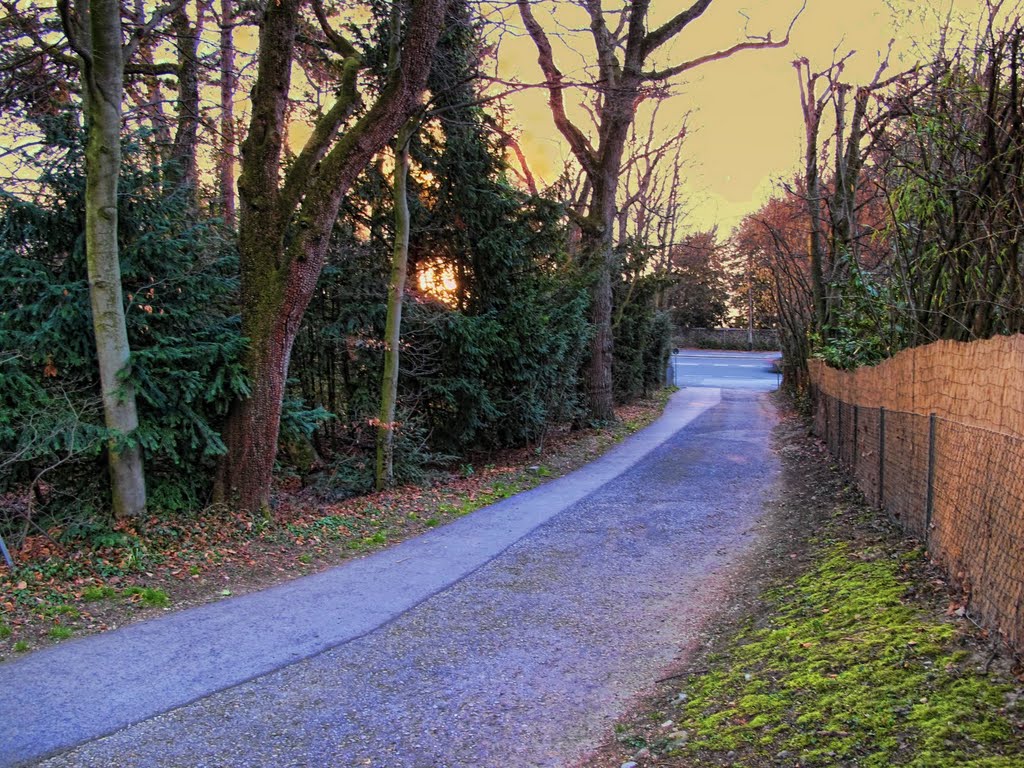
x,y
385,473
226,160
811,104
103,87
186,136
285,225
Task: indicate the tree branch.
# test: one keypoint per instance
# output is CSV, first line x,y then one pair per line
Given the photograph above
x,y
323,134
73,31
578,142
339,43
754,43
146,29
673,27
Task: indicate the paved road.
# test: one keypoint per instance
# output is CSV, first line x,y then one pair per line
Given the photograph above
x,y
513,637
734,370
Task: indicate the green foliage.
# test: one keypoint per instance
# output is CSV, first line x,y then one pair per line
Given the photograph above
x,y
61,633
642,333
861,333
180,283
491,365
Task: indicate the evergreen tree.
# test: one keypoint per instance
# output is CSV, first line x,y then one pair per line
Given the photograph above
x,y
180,284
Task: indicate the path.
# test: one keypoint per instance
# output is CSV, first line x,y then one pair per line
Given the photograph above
x,y
512,637
726,368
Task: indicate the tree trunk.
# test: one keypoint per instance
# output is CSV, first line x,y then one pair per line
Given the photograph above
x,y
103,76
183,152
385,473
253,424
814,214
598,246
285,223
226,159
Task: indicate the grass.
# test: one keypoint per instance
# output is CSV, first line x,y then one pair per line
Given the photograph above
x,y
5,631
848,672
855,655
61,633
149,596
95,593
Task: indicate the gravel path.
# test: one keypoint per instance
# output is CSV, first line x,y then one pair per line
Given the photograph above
x,y
525,660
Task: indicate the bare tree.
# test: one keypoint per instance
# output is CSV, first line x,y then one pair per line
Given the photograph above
x,y
624,50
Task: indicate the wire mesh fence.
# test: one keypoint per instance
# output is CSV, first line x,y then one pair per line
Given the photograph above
x,y
958,488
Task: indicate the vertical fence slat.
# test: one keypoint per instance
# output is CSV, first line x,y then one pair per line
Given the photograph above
x,y
930,502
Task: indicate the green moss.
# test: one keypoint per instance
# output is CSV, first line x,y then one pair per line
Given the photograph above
x,y
848,672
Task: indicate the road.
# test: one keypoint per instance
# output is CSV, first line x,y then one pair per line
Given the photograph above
x,y
734,370
512,637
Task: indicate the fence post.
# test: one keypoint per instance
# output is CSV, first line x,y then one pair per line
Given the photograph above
x,y
881,456
930,499
839,431
853,458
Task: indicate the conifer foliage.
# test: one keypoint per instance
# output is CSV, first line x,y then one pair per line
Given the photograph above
x,y
180,282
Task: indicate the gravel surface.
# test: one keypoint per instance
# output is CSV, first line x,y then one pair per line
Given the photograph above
x,y
525,661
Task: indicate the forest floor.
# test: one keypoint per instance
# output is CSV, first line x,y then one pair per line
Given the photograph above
x,y
109,577
844,646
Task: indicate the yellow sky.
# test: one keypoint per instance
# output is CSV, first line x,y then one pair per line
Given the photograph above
x,y
745,129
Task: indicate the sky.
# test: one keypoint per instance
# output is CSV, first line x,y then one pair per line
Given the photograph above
x,y
745,130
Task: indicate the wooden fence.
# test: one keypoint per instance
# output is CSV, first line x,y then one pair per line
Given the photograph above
x,y
935,436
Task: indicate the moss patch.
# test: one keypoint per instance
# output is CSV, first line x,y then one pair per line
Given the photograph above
x,y
849,671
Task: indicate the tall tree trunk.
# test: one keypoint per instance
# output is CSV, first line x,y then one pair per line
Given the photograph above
x,y
617,115
285,223
385,473
103,80
816,246
811,104
186,135
226,158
